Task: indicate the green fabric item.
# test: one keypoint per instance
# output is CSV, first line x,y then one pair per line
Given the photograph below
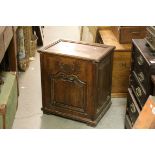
x,y
8,96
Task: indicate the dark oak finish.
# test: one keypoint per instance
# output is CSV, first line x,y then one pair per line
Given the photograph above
x,y
143,63
76,80
140,82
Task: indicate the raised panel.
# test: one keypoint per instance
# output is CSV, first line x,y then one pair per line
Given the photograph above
x,y
104,82
68,91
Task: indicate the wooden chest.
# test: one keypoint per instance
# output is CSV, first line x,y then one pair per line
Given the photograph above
x,y
140,83
121,63
76,80
125,34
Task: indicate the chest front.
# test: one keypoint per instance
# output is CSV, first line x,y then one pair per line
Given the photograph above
x,y
76,85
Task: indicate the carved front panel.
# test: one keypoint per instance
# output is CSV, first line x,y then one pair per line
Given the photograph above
x,y
67,91
76,88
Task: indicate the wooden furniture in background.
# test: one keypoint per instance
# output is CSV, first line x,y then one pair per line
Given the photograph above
x,y
8,48
150,37
121,62
8,62
140,83
146,118
8,54
125,34
76,80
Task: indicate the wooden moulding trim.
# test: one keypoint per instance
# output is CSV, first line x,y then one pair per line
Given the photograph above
x,y
70,116
88,121
77,42
111,48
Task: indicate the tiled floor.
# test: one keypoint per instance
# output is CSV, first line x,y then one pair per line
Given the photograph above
x,y
29,114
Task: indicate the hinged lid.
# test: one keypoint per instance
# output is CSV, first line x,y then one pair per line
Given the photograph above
x,y
78,49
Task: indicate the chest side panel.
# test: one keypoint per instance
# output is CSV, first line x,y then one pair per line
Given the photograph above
x,y
104,82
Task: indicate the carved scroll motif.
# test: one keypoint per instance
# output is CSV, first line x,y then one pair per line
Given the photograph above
x,y
71,85
73,68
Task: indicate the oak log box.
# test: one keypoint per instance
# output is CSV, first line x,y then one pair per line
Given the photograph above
x,y
76,80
